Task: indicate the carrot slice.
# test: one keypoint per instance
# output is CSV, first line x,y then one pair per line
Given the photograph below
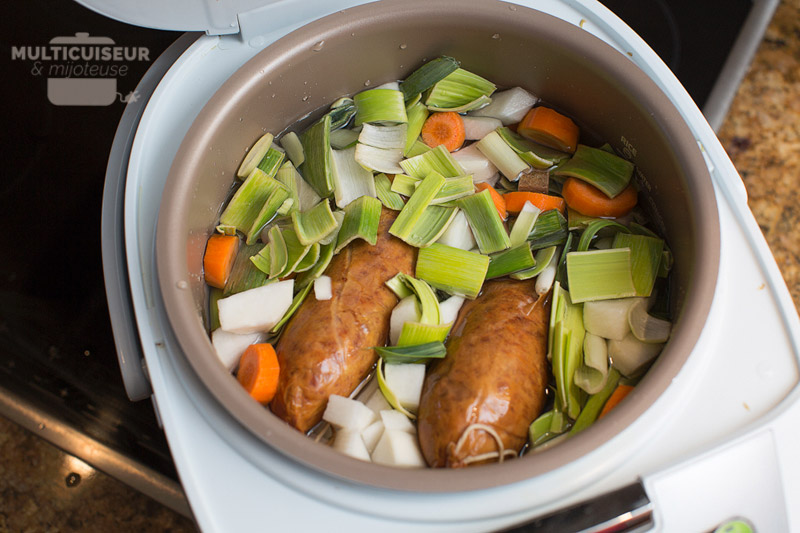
x,y
444,127
218,259
587,199
617,396
515,201
259,371
550,128
497,198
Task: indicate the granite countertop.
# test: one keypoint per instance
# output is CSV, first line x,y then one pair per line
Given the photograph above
x,y
43,489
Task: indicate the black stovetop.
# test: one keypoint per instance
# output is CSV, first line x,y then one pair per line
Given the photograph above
x,y
56,347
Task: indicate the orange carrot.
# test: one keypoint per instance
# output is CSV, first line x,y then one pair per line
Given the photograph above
x,y
497,198
587,199
617,396
218,259
515,201
258,372
444,127
550,128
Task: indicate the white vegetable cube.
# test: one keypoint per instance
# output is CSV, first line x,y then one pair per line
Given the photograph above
x,y
256,309
323,289
405,311
377,402
349,442
372,434
230,346
346,413
394,420
405,381
398,448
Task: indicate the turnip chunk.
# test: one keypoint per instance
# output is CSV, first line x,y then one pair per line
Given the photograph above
x,y
372,434
405,381
396,421
405,311
608,318
230,346
346,413
508,106
323,289
256,309
458,234
475,128
349,442
474,162
448,309
377,402
398,448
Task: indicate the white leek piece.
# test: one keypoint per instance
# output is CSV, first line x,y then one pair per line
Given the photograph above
x,y
509,106
478,127
547,275
646,327
592,375
294,148
230,346
458,233
478,165
254,155
631,355
383,136
343,138
256,309
350,179
608,318
502,156
322,288
524,223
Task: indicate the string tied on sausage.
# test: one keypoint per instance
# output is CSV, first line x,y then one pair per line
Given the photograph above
x,y
500,454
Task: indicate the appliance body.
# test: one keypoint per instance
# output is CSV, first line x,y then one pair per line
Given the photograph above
x,y
727,415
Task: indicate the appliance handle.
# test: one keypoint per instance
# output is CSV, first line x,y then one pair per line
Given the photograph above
x,y
112,230
626,509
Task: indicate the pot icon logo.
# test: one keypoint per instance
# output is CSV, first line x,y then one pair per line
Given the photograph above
x,y
82,91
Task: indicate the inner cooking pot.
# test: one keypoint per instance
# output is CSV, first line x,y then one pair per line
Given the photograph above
x,y
511,45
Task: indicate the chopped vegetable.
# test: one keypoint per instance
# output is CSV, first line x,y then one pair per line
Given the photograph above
x,y
322,288
454,271
444,128
595,404
515,201
403,225
431,225
550,128
502,156
606,171
427,76
458,233
608,318
512,260
535,154
254,155
256,309
407,310
258,372
361,220
523,225
316,168
460,91
509,106
476,128
398,448
550,229
346,413
414,333
315,223
405,381
435,160
296,301
646,327
630,355
417,115
230,346
487,227
600,274
389,198
350,179
645,259
591,201
294,148
219,258
351,443
472,160
385,106
620,392
499,201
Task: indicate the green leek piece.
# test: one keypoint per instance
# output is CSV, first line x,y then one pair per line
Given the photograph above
x,y
435,160
457,89
350,179
254,155
608,172
523,225
431,225
550,229
295,305
398,286
543,258
408,217
244,275
549,425
393,137
343,138
567,352
246,203
502,156
214,295
485,222
316,169
418,148
404,184
428,303
414,333
665,265
270,208
316,223
646,253
379,159
389,198
226,230
453,189
594,405
452,270
578,221
301,192
295,251
361,219
331,237
594,227
509,261
278,252
271,162
591,376
395,355
380,105
600,274
342,110
294,148
561,267
309,259
307,277
535,154
417,114
427,76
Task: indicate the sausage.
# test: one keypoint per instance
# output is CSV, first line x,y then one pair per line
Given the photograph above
x,y
326,347
494,374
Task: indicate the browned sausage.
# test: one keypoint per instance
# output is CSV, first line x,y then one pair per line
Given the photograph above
x,y
494,374
326,346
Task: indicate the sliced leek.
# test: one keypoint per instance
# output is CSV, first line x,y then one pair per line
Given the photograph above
x,y
428,303
389,198
514,259
384,106
309,259
245,275
592,374
454,271
342,111
398,286
308,276
431,225
600,274
271,207
502,156
646,327
457,89
417,114
646,253
419,333
295,251
594,405
254,155
543,258
524,224
403,225
387,392
593,228
535,154
411,353
350,179
316,223
453,189
361,219
316,168
606,171
271,162
435,160
427,76
246,203
379,159
487,227
550,229
294,148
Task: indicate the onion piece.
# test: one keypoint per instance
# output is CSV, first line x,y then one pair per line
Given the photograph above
x,y
508,106
630,355
646,327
